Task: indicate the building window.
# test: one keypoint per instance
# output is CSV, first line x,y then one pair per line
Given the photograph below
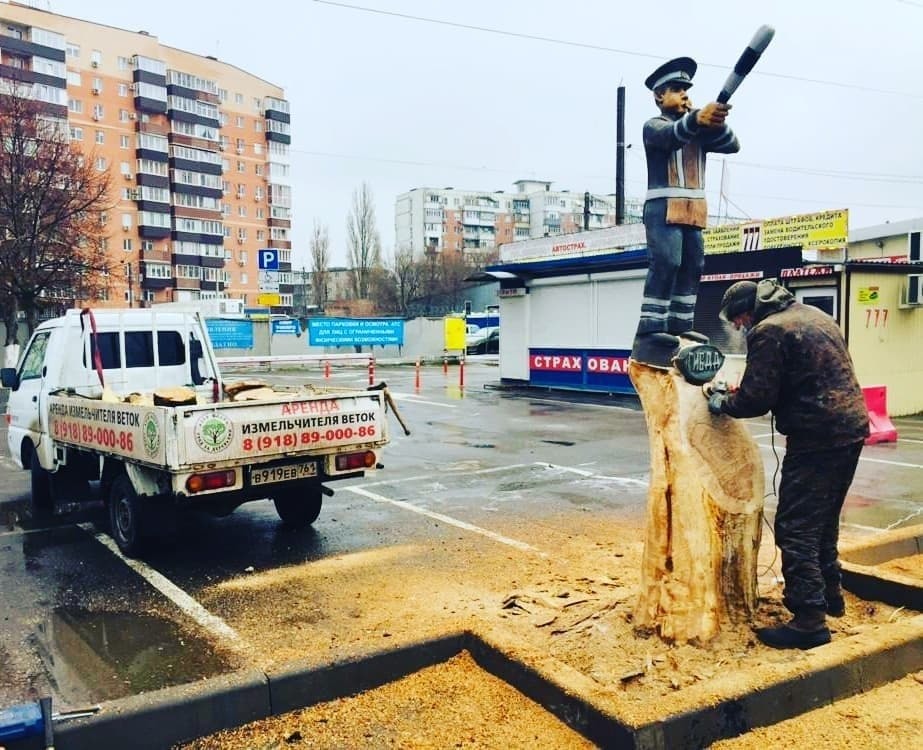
x,y
101,164
73,51
239,121
238,98
258,126
76,134
123,63
100,137
258,169
123,115
97,111
123,89
147,245
244,279
223,94
126,223
75,106
126,245
242,211
96,58
73,78
124,141
260,235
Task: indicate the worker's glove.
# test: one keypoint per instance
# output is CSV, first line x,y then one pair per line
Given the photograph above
x,y
716,402
716,392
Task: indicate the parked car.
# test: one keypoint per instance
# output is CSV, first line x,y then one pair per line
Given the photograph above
x,y
483,341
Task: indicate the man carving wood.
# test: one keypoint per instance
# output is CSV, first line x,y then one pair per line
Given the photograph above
x,y
675,211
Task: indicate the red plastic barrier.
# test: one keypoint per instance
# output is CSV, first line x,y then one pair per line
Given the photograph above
x,y
881,430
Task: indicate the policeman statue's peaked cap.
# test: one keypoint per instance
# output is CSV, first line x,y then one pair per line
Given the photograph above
x,y
679,70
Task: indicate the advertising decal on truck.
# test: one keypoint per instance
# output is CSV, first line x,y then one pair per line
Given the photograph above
x,y
292,426
111,428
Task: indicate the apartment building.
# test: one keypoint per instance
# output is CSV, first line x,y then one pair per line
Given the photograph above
x,y
198,152
473,222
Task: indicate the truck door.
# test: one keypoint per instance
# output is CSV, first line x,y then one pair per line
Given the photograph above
x,y
25,402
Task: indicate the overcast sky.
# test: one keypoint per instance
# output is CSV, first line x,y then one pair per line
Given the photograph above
x,y
476,94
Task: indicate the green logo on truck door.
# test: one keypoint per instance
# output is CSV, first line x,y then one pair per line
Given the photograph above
x,y
213,433
151,435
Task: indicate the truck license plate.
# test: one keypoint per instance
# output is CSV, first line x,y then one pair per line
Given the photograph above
x,y
273,474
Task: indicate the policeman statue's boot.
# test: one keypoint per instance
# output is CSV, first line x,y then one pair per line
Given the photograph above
x,y
699,338
655,348
807,629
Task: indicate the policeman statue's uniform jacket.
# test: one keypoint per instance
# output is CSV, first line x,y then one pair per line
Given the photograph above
x,y
798,367
675,150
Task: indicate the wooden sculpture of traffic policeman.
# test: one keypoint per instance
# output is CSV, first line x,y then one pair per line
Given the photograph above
x,y
675,211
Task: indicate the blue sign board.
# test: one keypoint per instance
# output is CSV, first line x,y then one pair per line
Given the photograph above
x,y
583,369
268,259
286,326
230,334
355,331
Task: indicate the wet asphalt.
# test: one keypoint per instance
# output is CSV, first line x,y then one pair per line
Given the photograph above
x,y
84,625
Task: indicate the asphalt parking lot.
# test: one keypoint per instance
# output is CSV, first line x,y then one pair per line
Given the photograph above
x,y
522,472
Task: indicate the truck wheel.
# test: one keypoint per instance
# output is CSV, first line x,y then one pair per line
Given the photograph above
x,y
125,516
42,495
299,507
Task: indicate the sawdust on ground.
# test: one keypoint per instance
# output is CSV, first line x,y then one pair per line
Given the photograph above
x,y
911,566
575,607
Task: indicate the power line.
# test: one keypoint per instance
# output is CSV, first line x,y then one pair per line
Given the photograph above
x,y
601,48
807,171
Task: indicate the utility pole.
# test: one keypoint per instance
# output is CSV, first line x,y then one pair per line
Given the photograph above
x,y
586,211
620,156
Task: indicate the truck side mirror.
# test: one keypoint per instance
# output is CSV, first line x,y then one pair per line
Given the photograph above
x,y
9,378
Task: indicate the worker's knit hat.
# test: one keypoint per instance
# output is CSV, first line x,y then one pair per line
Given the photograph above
x,y
738,299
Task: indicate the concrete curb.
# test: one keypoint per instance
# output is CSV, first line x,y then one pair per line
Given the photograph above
x,y
863,578
158,719
736,704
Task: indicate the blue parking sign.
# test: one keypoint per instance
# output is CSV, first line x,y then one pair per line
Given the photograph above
x,y
268,259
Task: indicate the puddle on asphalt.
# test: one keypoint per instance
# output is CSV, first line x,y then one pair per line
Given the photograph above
x,y
99,656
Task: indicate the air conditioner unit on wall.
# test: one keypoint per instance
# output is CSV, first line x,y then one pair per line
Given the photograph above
x,y
912,291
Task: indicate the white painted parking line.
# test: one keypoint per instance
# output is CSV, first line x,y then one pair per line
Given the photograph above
x,y
189,606
866,459
443,474
594,475
411,398
403,504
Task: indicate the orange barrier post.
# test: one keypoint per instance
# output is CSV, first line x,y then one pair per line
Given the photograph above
x,y
445,365
461,373
416,382
327,370
371,370
881,429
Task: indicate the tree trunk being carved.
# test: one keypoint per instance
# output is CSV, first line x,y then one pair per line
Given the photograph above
x,y
704,509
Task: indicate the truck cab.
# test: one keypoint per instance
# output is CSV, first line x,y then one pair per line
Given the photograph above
x,y
100,352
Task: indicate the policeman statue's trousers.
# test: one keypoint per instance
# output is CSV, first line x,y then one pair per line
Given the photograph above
x,y
676,255
811,494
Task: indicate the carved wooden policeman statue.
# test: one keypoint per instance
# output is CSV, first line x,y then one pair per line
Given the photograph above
x,y
675,211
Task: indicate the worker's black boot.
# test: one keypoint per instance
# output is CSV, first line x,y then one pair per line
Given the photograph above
x,y
836,606
807,629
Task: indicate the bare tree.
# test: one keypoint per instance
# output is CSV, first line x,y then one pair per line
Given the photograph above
x,y
52,200
320,263
363,239
407,275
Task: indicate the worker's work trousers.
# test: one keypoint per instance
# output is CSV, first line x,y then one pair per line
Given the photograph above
x,y
811,494
676,257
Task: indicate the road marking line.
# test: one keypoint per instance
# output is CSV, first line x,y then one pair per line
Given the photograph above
x,y
593,475
448,519
413,399
780,449
171,591
442,475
